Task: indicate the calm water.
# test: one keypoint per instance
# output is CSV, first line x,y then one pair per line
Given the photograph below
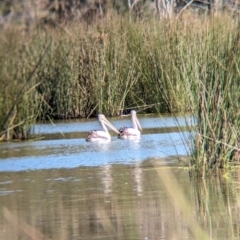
x,y
64,145
63,187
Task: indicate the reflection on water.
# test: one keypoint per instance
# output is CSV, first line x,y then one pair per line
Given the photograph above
x,y
106,179
137,173
66,188
115,202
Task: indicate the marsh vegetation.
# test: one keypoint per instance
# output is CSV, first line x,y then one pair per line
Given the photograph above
x,y
114,62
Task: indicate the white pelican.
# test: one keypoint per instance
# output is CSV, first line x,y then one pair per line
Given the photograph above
x,y
99,136
131,133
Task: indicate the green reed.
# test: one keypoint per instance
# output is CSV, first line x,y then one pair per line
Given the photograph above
x,y
19,103
108,67
213,87
196,70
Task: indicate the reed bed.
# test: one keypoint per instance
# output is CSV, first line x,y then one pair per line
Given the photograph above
x,y
216,90
113,64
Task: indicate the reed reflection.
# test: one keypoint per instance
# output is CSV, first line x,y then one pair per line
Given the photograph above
x,y
118,202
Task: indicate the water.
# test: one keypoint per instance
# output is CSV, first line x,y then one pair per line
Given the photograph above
x,y
63,187
65,145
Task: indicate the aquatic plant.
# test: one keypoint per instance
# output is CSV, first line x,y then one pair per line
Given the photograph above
x,y
213,77
218,106
18,101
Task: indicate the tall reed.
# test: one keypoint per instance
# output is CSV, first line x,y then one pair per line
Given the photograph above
x,y
18,101
211,68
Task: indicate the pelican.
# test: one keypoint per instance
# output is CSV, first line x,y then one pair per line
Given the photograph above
x,y
131,133
99,136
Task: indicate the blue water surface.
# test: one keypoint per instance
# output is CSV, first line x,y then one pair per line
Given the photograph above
x,y
76,152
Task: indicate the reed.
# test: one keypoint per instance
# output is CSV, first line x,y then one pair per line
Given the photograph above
x,y
216,86
198,72
107,67
19,103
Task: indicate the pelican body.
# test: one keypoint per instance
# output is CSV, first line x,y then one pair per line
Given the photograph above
x,y
98,135
131,132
